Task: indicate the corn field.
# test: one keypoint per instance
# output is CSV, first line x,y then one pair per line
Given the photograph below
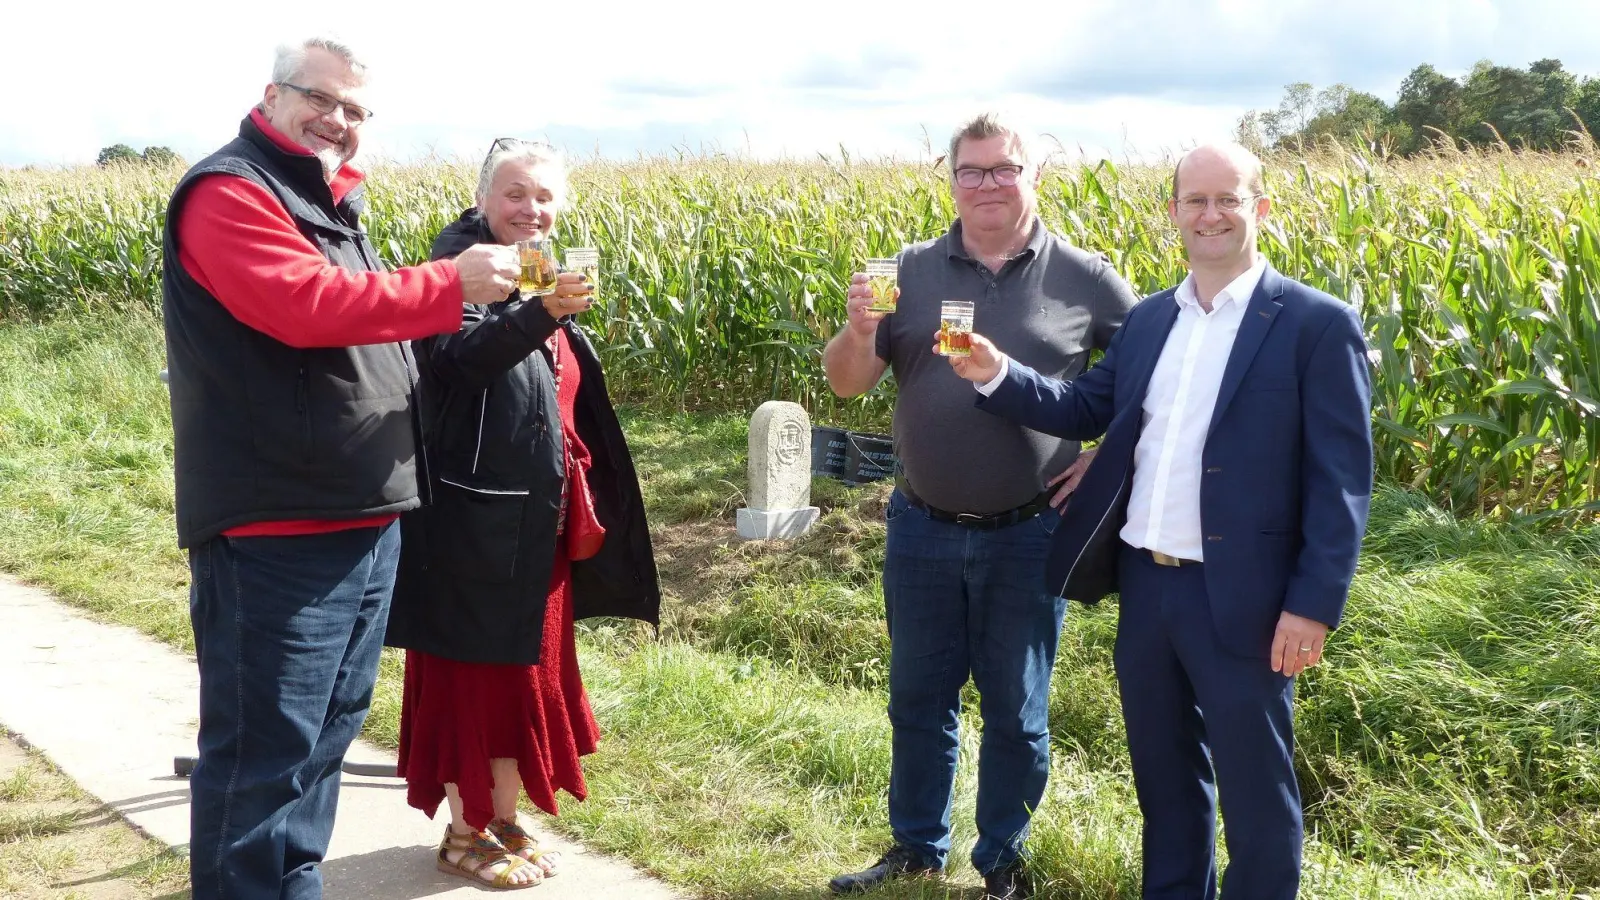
x,y
1478,276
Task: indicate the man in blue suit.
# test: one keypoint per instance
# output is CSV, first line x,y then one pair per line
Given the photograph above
x,y
1227,505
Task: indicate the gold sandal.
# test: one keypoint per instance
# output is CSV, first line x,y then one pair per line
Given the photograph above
x,y
519,843
480,850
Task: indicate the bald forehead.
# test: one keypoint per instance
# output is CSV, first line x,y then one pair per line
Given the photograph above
x,y
1234,156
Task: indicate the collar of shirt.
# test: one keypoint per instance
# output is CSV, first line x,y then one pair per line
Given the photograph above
x,y
344,181
958,250
1238,290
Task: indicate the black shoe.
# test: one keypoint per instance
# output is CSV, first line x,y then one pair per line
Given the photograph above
x,y
1010,883
897,862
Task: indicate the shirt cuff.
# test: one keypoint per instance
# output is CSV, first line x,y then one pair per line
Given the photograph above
x,y
989,386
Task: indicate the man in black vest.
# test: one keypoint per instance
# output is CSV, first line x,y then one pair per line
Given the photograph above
x,y
294,454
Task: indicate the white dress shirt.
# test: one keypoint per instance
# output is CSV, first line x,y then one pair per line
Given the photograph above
x,y
1164,508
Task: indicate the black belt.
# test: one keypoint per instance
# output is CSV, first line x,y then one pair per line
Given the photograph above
x,y
981,523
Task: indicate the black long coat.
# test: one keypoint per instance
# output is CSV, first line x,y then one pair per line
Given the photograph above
x,y
475,563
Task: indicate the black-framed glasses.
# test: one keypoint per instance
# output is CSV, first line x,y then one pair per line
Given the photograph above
x,y
1227,202
322,103
1004,175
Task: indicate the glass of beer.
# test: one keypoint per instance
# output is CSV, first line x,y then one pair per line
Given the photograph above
x,y
538,268
883,276
955,328
587,261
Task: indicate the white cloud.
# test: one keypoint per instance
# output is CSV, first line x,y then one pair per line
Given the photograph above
x,y
887,77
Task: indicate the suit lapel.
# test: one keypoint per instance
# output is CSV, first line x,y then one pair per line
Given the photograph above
x,y
1145,365
1258,318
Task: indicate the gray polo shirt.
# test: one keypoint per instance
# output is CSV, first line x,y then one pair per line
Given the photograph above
x,y
1047,307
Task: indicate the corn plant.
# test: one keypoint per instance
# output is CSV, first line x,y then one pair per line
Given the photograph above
x,y
1478,275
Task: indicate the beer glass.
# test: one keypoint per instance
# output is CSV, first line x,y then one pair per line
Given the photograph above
x,y
883,277
538,268
955,328
587,261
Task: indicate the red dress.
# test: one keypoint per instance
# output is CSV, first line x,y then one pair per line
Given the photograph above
x,y
456,716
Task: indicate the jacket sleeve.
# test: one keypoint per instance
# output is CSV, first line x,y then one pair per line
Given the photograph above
x,y
492,340
1335,471
1079,410
239,243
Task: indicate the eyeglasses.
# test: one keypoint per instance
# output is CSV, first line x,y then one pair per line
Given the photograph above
x,y
322,103
1004,175
1226,202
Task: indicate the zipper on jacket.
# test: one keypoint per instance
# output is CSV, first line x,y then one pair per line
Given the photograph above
x,y
302,404
483,409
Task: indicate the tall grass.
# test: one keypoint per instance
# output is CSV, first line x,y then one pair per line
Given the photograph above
x,y
1478,276
1448,748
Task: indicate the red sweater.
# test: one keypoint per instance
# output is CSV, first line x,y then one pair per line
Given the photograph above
x,y
239,243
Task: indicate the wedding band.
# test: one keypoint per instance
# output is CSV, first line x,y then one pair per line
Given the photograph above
x,y
1305,649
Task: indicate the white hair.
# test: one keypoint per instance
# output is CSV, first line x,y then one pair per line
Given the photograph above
x,y
536,154
290,63
982,127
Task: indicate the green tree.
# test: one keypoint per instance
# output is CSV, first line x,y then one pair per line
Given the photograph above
x,y
162,156
1558,90
1352,117
116,153
1288,122
1587,106
1429,103
1509,102
1248,130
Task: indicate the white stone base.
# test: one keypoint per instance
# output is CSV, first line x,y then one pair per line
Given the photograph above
x,y
775,524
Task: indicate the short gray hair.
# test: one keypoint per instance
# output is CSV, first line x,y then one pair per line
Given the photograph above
x,y
290,63
534,153
982,127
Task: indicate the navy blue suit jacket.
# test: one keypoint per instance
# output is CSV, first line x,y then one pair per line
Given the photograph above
x,y
1286,473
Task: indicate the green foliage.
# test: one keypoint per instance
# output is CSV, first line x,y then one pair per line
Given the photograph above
x,y
1447,748
1477,274
1429,105
116,153
1307,118
162,156
1542,107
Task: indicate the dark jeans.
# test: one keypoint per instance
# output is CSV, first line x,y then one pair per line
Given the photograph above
x,y
966,603
1204,721
288,631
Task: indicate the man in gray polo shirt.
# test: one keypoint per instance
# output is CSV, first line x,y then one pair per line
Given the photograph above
x,y
970,520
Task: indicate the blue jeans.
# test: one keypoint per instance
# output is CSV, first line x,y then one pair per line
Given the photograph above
x,y
966,603
288,631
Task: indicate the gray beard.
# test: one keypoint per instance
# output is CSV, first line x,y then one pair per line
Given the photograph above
x,y
332,160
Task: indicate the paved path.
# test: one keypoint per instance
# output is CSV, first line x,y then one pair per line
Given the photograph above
x,y
112,708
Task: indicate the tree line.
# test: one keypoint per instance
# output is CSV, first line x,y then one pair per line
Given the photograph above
x,y
122,153
1542,107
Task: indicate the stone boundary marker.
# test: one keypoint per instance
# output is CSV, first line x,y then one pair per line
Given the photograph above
x,y
779,501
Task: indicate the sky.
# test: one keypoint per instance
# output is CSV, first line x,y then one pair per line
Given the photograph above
x,y
1128,79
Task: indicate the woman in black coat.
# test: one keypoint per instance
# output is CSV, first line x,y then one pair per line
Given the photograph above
x,y
535,520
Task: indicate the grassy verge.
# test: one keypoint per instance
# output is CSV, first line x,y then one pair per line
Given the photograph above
x,y
1448,749
57,843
